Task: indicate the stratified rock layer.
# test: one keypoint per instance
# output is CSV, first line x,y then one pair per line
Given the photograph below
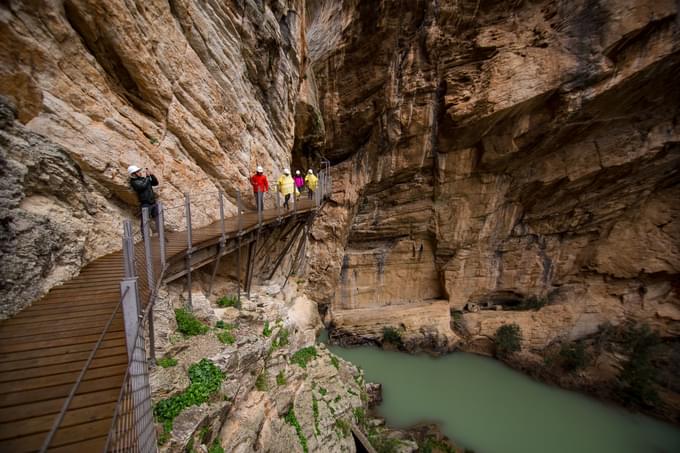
x,y
198,92
502,152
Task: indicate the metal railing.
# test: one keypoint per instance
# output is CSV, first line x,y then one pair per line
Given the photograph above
x,y
132,427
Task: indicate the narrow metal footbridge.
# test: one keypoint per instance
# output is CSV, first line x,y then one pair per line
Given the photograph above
x,y
74,365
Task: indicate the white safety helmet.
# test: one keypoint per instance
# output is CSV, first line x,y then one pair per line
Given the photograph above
x,y
132,169
286,171
260,169
297,172
310,171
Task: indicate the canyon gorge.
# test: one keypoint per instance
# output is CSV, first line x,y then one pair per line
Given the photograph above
x,y
493,163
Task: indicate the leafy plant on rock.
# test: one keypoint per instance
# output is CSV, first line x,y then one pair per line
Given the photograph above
x,y
315,411
335,362
508,339
280,340
226,336
291,419
638,373
266,331
261,381
205,378
228,301
167,362
216,447
342,426
188,324
392,336
303,356
573,356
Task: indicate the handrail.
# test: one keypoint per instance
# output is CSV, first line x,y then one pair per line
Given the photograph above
x,y
146,316
140,331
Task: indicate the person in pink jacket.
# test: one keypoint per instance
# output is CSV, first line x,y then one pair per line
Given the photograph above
x,y
299,182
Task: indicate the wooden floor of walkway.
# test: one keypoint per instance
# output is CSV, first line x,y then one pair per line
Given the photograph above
x,y
44,348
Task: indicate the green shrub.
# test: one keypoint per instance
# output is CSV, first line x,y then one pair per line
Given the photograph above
x,y
205,378
392,336
323,391
573,356
335,362
508,339
188,324
303,356
315,411
280,378
292,421
228,301
342,426
384,444
638,373
530,303
261,381
266,331
360,416
226,337
164,436
167,362
432,444
280,340
216,447
534,302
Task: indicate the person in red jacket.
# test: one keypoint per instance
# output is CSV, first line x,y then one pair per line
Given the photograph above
x,y
260,186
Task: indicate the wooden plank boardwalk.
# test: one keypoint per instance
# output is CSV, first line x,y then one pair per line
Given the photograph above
x,y
44,347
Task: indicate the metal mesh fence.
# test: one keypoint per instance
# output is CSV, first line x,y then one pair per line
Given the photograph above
x,y
132,429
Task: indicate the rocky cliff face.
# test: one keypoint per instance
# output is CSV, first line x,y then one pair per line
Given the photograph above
x,y
485,154
491,153
198,92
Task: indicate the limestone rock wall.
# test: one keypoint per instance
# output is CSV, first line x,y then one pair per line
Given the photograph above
x,y
532,148
198,92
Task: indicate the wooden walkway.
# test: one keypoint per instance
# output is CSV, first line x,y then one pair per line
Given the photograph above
x,y
44,347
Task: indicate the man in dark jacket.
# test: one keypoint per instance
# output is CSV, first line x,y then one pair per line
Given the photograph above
x,y
143,185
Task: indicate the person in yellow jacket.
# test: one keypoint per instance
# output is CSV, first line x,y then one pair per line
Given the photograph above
x,y
311,181
286,186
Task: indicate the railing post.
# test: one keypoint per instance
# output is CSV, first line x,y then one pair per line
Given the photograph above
x,y
238,208
161,233
238,271
278,205
322,182
187,213
221,246
128,250
238,252
294,198
222,231
317,191
147,249
129,289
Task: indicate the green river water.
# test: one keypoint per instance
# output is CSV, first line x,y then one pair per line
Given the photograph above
x,y
485,406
